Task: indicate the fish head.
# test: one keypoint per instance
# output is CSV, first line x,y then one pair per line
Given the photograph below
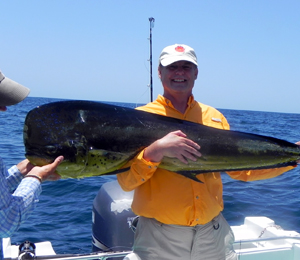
x,y
43,145
49,136
75,157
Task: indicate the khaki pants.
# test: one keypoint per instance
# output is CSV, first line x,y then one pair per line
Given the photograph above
x,y
212,241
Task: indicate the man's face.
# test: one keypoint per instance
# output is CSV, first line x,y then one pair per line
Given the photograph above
x,y
178,77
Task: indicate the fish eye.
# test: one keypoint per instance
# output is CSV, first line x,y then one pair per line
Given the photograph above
x,y
51,149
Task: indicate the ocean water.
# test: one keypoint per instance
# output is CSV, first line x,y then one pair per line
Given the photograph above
x,y
64,213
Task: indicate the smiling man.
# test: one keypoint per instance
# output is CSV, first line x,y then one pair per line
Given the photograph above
x,y
181,218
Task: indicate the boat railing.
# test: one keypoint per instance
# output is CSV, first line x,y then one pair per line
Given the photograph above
x,y
96,255
265,245
257,240
291,240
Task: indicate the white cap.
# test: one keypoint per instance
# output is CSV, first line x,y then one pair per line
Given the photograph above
x,y
177,52
11,92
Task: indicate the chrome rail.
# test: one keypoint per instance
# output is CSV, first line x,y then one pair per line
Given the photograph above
x,y
255,240
100,256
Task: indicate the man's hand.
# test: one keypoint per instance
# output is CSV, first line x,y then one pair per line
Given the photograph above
x,y
46,172
298,143
25,166
173,145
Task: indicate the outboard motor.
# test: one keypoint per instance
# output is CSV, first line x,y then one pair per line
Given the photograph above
x,y
113,219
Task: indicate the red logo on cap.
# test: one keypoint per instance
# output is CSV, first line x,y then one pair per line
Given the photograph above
x,y
179,49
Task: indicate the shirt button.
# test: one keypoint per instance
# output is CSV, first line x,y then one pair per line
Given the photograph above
x,y
197,197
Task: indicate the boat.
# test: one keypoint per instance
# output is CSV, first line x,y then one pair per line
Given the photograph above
x,y
114,223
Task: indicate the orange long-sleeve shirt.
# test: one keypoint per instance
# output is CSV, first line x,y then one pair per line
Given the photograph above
x,y
171,198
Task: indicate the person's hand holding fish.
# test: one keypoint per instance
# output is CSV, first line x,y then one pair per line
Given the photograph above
x,y
173,145
298,143
43,173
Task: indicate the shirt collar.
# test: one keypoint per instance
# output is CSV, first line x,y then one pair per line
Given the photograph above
x,y
166,102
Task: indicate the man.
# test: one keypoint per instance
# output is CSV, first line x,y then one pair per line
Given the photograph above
x,y
21,184
180,218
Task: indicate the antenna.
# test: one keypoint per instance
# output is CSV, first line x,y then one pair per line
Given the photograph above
x,y
151,20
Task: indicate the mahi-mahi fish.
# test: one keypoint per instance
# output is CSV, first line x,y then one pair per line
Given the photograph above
x,y
98,139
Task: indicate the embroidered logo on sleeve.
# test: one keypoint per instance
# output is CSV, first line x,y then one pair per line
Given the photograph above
x,y
216,119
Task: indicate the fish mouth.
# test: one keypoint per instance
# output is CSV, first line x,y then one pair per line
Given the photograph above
x,y
38,161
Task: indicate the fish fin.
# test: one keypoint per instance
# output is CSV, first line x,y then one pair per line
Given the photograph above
x,y
118,171
188,174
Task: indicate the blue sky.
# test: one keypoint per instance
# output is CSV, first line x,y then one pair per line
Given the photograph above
x,y
248,51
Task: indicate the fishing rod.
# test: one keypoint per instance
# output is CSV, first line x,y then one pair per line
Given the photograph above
x,y
151,20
